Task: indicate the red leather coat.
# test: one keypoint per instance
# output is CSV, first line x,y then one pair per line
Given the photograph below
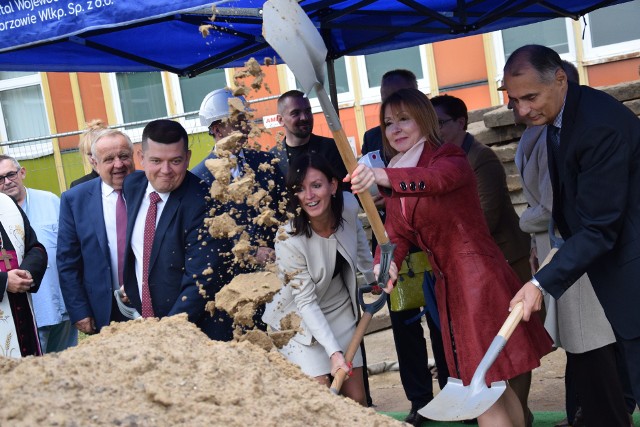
x,y
474,282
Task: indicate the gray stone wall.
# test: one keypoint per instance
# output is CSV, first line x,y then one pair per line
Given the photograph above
x,y
496,128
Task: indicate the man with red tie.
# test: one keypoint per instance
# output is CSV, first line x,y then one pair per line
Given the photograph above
x,y
172,264
91,235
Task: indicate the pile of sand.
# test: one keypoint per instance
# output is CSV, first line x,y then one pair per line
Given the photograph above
x,y
166,373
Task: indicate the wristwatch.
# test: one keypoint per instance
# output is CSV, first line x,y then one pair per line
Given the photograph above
x,y
537,285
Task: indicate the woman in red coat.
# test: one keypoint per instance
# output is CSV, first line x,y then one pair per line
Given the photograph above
x,y
432,202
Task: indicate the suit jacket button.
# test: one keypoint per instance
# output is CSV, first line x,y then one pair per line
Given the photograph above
x,y
421,185
412,186
403,186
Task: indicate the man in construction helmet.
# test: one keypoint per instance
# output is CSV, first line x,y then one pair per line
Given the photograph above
x,y
224,114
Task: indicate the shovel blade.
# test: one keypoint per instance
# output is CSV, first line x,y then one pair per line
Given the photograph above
x,y
288,29
457,402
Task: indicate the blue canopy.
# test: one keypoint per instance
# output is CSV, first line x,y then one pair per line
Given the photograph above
x,y
119,35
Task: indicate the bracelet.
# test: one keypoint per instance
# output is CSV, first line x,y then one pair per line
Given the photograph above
x,y
539,286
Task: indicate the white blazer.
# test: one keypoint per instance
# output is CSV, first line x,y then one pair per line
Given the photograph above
x,y
306,266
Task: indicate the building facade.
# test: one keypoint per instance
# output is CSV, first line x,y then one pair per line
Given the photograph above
x,y
605,46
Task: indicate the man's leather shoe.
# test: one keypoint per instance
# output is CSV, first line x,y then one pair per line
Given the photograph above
x,y
415,419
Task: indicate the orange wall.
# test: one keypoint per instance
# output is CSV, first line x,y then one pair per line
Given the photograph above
x,y
92,97
371,115
474,97
63,108
460,60
614,72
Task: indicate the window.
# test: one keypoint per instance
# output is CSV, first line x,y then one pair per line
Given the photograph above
x,y
372,67
193,90
556,34
23,114
612,30
343,83
140,97
552,33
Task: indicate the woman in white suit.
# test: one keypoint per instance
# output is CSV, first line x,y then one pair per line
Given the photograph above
x,y
317,254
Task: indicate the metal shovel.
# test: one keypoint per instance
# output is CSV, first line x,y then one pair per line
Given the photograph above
x,y
288,29
128,312
457,402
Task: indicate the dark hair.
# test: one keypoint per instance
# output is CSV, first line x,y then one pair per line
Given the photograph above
x,y
297,173
545,61
452,106
164,131
419,108
407,75
571,71
289,94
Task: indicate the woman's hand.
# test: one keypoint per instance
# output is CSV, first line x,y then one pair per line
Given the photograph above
x,y
364,177
393,275
338,362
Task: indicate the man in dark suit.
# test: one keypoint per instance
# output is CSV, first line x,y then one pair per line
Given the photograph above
x,y
215,113
87,254
593,143
172,264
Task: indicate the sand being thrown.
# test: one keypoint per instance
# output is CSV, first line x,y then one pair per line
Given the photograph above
x,y
166,373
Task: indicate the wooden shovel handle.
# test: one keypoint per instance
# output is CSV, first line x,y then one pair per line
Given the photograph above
x,y
358,335
518,310
365,198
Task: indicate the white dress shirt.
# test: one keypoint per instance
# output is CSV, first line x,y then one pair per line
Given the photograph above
x,y
137,238
109,200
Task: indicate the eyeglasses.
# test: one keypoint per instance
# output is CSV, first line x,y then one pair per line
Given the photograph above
x,y
444,122
214,126
8,176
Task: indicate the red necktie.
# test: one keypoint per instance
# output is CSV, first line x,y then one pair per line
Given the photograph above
x,y
121,233
149,233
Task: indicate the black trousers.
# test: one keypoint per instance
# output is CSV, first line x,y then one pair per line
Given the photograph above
x,y
597,384
631,352
411,348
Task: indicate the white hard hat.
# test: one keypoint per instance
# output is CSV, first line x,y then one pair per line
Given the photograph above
x,y
215,106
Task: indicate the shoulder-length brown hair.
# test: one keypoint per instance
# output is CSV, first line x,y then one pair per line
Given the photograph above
x,y
418,106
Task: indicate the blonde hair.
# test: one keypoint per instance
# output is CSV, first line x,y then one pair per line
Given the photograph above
x,y
418,106
89,135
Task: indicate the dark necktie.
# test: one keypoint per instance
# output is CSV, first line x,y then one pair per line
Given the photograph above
x,y
121,233
553,137
553,147
240,163
149,234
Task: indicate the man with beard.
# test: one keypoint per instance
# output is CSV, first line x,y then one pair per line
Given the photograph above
x,y
295,116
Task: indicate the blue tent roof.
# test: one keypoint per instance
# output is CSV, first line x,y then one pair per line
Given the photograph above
x,y
118,35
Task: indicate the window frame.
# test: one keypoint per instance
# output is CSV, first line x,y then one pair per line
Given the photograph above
x,y
135,133
602,53
371,94
498,48
193,125
345,99
27,150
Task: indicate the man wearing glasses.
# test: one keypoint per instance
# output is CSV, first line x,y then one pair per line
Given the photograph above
x,y
55,330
